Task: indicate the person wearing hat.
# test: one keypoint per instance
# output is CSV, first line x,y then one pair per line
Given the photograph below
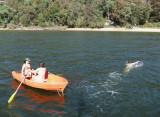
x,y
26,68
40,74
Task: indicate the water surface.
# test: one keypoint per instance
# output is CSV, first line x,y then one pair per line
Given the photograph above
x,y
93,62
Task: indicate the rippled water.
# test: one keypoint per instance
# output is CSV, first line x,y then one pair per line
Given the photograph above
x,y
94,63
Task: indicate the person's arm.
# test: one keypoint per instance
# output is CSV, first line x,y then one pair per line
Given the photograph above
x,y
36,72
23,70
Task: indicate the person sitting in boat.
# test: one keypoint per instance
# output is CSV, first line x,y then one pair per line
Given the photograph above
x,y
26,69
40,74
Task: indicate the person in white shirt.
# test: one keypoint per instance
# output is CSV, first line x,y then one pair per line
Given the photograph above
x,y
41,74
26,69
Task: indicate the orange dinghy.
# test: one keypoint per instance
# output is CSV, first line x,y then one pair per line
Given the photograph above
x,y
54,82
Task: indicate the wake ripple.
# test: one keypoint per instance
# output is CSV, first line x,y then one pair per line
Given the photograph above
x,y
104,86
100,94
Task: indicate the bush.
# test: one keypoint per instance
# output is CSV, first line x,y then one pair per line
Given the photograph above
x,y
152,25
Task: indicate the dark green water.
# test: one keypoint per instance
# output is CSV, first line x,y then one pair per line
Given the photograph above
x,y
93,62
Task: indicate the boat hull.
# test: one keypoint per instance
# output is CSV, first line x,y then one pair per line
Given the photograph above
x,y
54,82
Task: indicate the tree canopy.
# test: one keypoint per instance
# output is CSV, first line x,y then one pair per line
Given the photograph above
x,y
79,13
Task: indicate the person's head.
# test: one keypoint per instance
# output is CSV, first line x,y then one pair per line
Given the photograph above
x,y
42,64
27,60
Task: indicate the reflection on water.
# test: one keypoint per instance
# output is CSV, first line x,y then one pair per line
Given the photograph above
x,y
36,98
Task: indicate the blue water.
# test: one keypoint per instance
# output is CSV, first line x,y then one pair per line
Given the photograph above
x,y
93,63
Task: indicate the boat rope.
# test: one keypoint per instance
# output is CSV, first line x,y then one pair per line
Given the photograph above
x,y
60,92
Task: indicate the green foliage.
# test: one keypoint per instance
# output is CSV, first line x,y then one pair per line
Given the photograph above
x,y
106,6
155,14
4,14
79,13
133,12
152,25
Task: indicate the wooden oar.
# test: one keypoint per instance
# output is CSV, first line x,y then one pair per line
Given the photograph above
x,y
13,95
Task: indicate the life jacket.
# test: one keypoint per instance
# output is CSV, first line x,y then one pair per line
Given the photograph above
x,y
46,74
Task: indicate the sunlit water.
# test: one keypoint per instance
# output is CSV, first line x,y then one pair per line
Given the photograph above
x,y
94,63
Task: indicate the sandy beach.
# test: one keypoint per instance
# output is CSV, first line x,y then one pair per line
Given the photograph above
x,y
116,29
111,29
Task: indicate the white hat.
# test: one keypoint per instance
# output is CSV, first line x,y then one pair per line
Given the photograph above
x,y
27,59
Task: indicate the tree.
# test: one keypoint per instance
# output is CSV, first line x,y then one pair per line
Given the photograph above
x,y
4,14
79,13
155,14
93,16
135,12
107,6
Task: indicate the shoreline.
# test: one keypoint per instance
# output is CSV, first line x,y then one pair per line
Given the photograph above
x,y
116,29
109,29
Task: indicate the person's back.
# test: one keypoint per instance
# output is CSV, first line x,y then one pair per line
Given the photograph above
x,y
40,73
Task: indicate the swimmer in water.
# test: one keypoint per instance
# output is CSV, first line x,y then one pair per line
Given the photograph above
x,y
132,65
